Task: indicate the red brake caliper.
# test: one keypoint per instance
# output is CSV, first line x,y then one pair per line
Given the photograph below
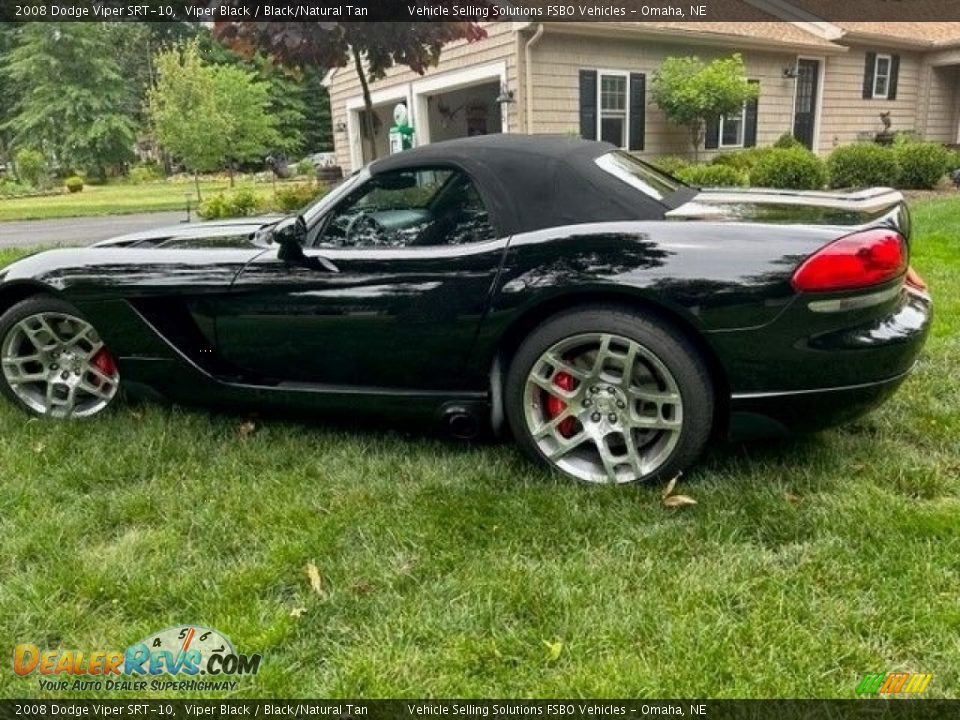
x,y
105,363
555,405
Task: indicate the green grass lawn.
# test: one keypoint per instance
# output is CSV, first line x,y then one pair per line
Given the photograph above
x,y
114,199
462,570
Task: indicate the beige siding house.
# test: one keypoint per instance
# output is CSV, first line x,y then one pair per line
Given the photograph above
x,y
825,83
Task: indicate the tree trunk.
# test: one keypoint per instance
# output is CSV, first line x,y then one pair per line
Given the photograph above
x,y
367,131
230,172
196,182
695,140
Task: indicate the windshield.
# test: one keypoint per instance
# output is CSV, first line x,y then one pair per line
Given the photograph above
x,y
636,173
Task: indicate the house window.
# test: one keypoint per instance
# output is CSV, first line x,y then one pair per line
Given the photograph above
x,y
881,77
612,118
731,129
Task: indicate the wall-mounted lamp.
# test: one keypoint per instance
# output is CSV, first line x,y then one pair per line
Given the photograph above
x,y
340,126
505,96
790,72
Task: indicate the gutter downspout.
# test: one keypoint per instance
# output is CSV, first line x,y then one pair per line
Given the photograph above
x,y
528,80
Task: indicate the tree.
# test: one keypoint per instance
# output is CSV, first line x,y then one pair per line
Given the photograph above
x,y
287,95
73,101
371,48
207,116
692,93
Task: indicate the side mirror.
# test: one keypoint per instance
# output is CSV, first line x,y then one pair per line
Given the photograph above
x,y
290,234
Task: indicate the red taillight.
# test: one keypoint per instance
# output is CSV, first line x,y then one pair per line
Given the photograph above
x,y
855,261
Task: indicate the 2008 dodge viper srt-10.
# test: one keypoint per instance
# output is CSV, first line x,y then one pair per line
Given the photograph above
x,y
610,317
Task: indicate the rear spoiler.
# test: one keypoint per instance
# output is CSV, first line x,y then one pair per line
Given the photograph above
x,y
812,207
872,200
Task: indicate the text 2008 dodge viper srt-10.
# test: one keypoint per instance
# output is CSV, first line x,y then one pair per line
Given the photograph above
x,y
611,317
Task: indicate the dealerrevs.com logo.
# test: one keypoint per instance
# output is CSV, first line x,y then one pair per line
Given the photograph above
x,y
158,662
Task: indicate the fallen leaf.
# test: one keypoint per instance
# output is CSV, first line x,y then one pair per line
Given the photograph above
x,y
39,448
315,582
676,501
671,485
791,498
297,612
247,428
554,649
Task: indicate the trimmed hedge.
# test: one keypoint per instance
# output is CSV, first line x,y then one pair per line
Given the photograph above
x,y
862,165
789,168
787,141
671,164
922,165
74,183
239,203
743,160
713,176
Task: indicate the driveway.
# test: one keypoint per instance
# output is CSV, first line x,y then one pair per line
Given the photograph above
x,y
81,231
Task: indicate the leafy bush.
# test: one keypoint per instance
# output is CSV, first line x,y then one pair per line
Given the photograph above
x,y
74,183
31,167
787,141
862,165
239,203
713,176
291,198
671,164
148,172
742,160
789,168
922,165
306,167
12,188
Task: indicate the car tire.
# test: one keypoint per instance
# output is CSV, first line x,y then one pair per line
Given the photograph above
x,y
53,362
568,408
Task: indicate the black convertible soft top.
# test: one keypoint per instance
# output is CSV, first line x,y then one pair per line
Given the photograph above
x,y
531,182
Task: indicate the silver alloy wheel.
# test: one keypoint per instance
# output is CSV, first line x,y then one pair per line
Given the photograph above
x,y
54,363
619,416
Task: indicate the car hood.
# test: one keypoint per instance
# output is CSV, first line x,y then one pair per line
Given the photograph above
x,y
811,207
237,232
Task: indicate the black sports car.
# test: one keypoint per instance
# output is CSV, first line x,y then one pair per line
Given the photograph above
x,y
613,318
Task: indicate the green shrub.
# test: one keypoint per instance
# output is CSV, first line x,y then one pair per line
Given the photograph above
x,y
671,164
12,188
922,165
862,165
293,197
713,176
306,167
31,167
742,160
238,203
148,172
74,183
787,141
789,168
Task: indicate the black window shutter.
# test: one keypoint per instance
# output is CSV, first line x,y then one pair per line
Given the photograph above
x,y
868,70
638,108
894,72
750,120
711,139
588,104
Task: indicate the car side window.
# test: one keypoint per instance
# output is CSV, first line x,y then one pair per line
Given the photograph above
x,y
409,208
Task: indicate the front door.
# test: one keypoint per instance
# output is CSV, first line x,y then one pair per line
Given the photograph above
x,y
805,106
415,256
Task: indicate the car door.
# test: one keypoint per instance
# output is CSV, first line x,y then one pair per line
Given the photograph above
x,y
415,254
